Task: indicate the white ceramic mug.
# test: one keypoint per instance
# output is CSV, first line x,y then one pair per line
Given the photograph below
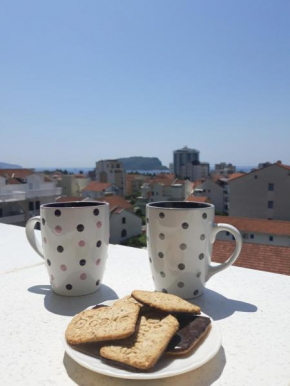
x,y
75,238
180,236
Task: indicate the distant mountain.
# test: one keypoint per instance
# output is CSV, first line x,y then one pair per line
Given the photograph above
x,y
142,163
4,165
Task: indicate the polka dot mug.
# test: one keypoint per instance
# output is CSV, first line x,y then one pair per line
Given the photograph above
x,y
180,236
75,239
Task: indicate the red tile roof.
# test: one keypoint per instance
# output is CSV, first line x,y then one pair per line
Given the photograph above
x,y
165,179
15,173
197,199
13,181
257,225
117,201
96,186
268,258
235,175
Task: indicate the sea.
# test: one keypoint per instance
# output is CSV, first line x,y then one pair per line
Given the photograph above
x,y
85,170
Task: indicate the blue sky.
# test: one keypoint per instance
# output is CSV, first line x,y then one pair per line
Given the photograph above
x,y
87,80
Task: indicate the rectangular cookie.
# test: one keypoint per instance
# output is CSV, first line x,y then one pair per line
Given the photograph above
x,y
104,323
144,348
165,302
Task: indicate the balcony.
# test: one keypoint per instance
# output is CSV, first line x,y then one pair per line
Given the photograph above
x,y
13,219
253,318
24,195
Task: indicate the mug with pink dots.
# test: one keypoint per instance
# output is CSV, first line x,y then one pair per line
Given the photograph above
x,y
74,244
180,237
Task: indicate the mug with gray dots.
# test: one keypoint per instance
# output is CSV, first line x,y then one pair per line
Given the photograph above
x,y
180,236
74,244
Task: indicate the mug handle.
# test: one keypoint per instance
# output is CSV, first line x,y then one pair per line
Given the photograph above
x,y
30,234
216,228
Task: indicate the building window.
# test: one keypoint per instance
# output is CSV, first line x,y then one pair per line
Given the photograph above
x,y
152,193
271,187
37,205
31,205
1,212
124,233
256,177
252,236
208,190
270,204
123,220
271,238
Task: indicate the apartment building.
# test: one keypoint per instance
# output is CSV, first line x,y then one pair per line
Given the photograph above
x,y
257,231
194,171
22,192
215,189
134,183
224,169
73,184
183,157
263,193
124,223
163,187
111,171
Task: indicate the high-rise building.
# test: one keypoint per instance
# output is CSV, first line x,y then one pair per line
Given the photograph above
x,y
184,157
111,171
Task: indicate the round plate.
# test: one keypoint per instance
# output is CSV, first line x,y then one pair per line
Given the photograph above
x,y
167,366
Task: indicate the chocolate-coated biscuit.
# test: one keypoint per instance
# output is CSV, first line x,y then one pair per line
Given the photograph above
x,y
192,328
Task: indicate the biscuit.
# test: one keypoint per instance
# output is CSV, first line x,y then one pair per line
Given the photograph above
x,y
105,323
192,329
165,302
143,349
128,299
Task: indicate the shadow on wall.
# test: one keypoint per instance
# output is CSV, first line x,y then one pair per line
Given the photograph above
x,y
69,306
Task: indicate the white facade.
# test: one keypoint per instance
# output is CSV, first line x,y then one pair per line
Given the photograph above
x,y
264,193
72,185
216,194
123,225
224,169
19,202
160,192
194,172
111,171
257,238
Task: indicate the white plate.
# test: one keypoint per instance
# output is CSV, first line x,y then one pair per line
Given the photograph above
x,y
167,366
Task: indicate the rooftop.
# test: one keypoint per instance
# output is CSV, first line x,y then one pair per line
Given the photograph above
x,y
257,225
15,173
255,256
117,202
197,199
96,186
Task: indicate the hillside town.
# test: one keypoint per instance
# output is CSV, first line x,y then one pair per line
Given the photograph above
x,y
257,202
